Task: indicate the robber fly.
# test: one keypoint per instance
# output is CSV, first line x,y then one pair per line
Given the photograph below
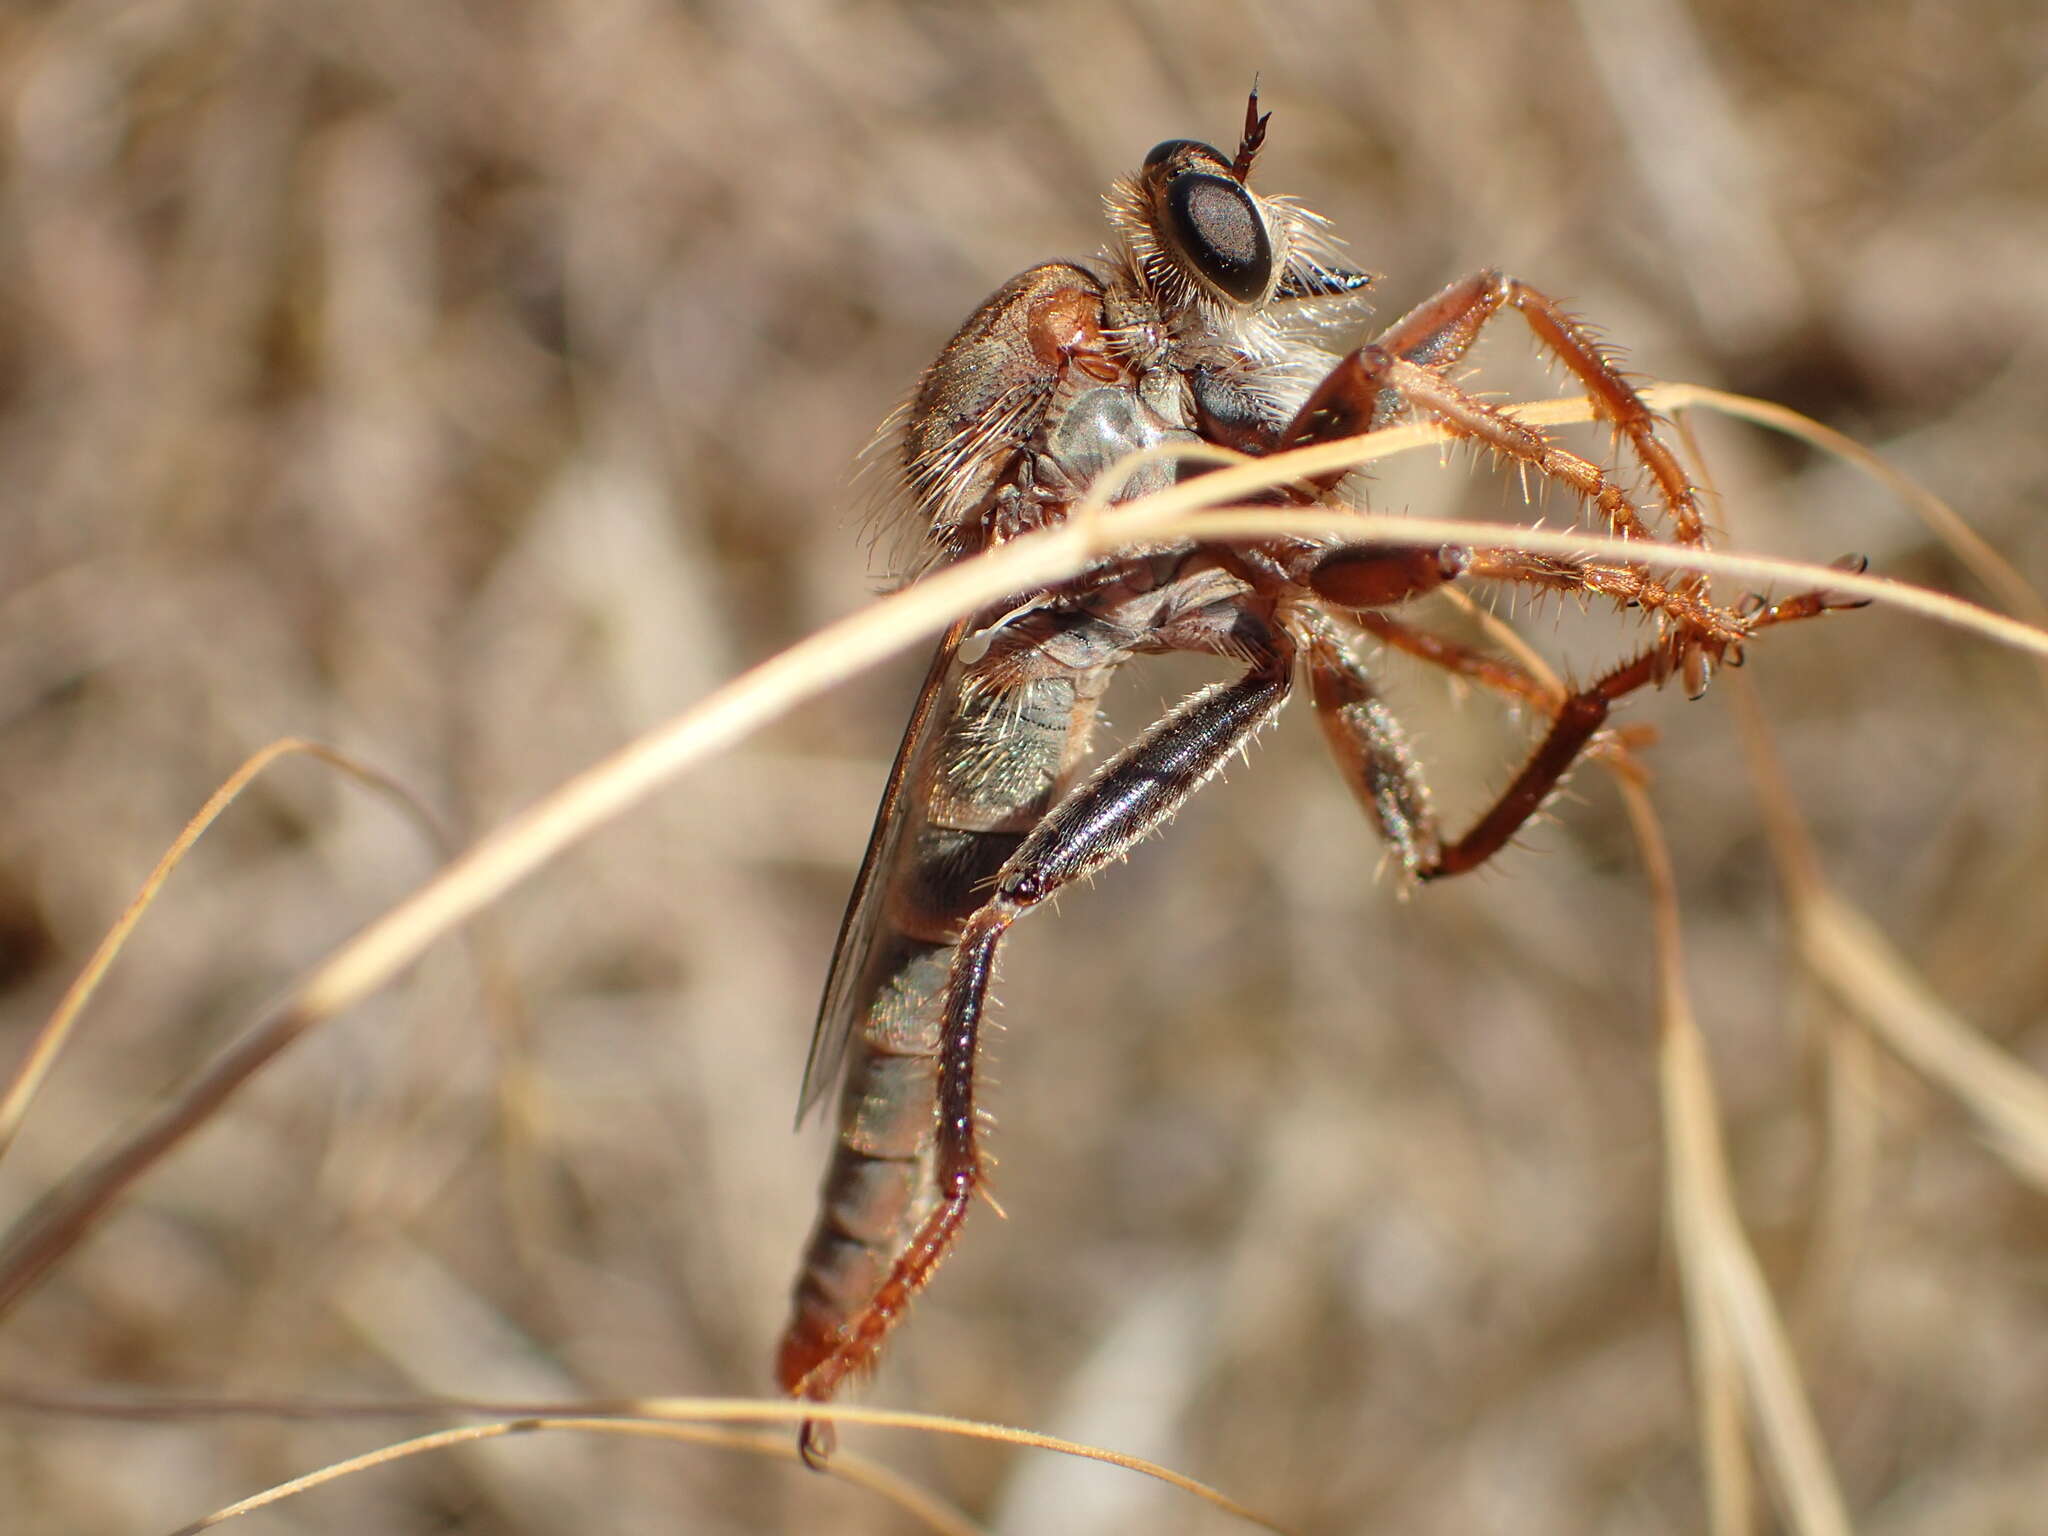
x,y
1201,323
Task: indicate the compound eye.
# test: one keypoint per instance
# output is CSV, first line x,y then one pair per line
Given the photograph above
x,y
1219,231
1164,152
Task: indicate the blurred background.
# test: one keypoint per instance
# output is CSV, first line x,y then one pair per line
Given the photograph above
x,y
473,388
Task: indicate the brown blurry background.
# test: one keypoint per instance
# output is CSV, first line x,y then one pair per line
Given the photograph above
x,y
473,387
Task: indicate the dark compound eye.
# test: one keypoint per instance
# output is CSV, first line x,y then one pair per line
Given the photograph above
x,y
1165,152
1220,232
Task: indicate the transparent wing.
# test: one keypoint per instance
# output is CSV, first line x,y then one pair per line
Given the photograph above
x,y
840,1009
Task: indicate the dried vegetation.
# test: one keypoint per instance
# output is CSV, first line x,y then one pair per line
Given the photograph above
x,y
472,388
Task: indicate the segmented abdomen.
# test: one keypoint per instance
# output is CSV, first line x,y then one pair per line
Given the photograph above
x,y
989,768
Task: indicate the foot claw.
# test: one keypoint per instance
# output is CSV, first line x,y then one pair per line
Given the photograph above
x,y
1841,602
816,1440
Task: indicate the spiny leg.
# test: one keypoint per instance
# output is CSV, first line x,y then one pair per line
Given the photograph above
x,y
1704,634
1130,795
1697,633
1367,740
1366,737
1347,403
1403,370
1377,384
1577,721
1370,389
1437,332
1625,581
1371,749
1460,660
1350,400
1369,745
1511,681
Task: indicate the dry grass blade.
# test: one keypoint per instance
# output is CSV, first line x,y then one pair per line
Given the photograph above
x,y
929,1513
1723,1281
1852,957
1997,573
686,1419
1864,970
1717,1399
50,1040
1717,1382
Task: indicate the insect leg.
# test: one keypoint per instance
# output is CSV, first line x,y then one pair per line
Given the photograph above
x,y
1705,634
1489,671
1683,602
1578,718
1348,402
1130,795
1372,752
1437,332
1370,747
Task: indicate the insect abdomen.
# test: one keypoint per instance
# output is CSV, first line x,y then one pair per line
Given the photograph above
x,y
992,768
